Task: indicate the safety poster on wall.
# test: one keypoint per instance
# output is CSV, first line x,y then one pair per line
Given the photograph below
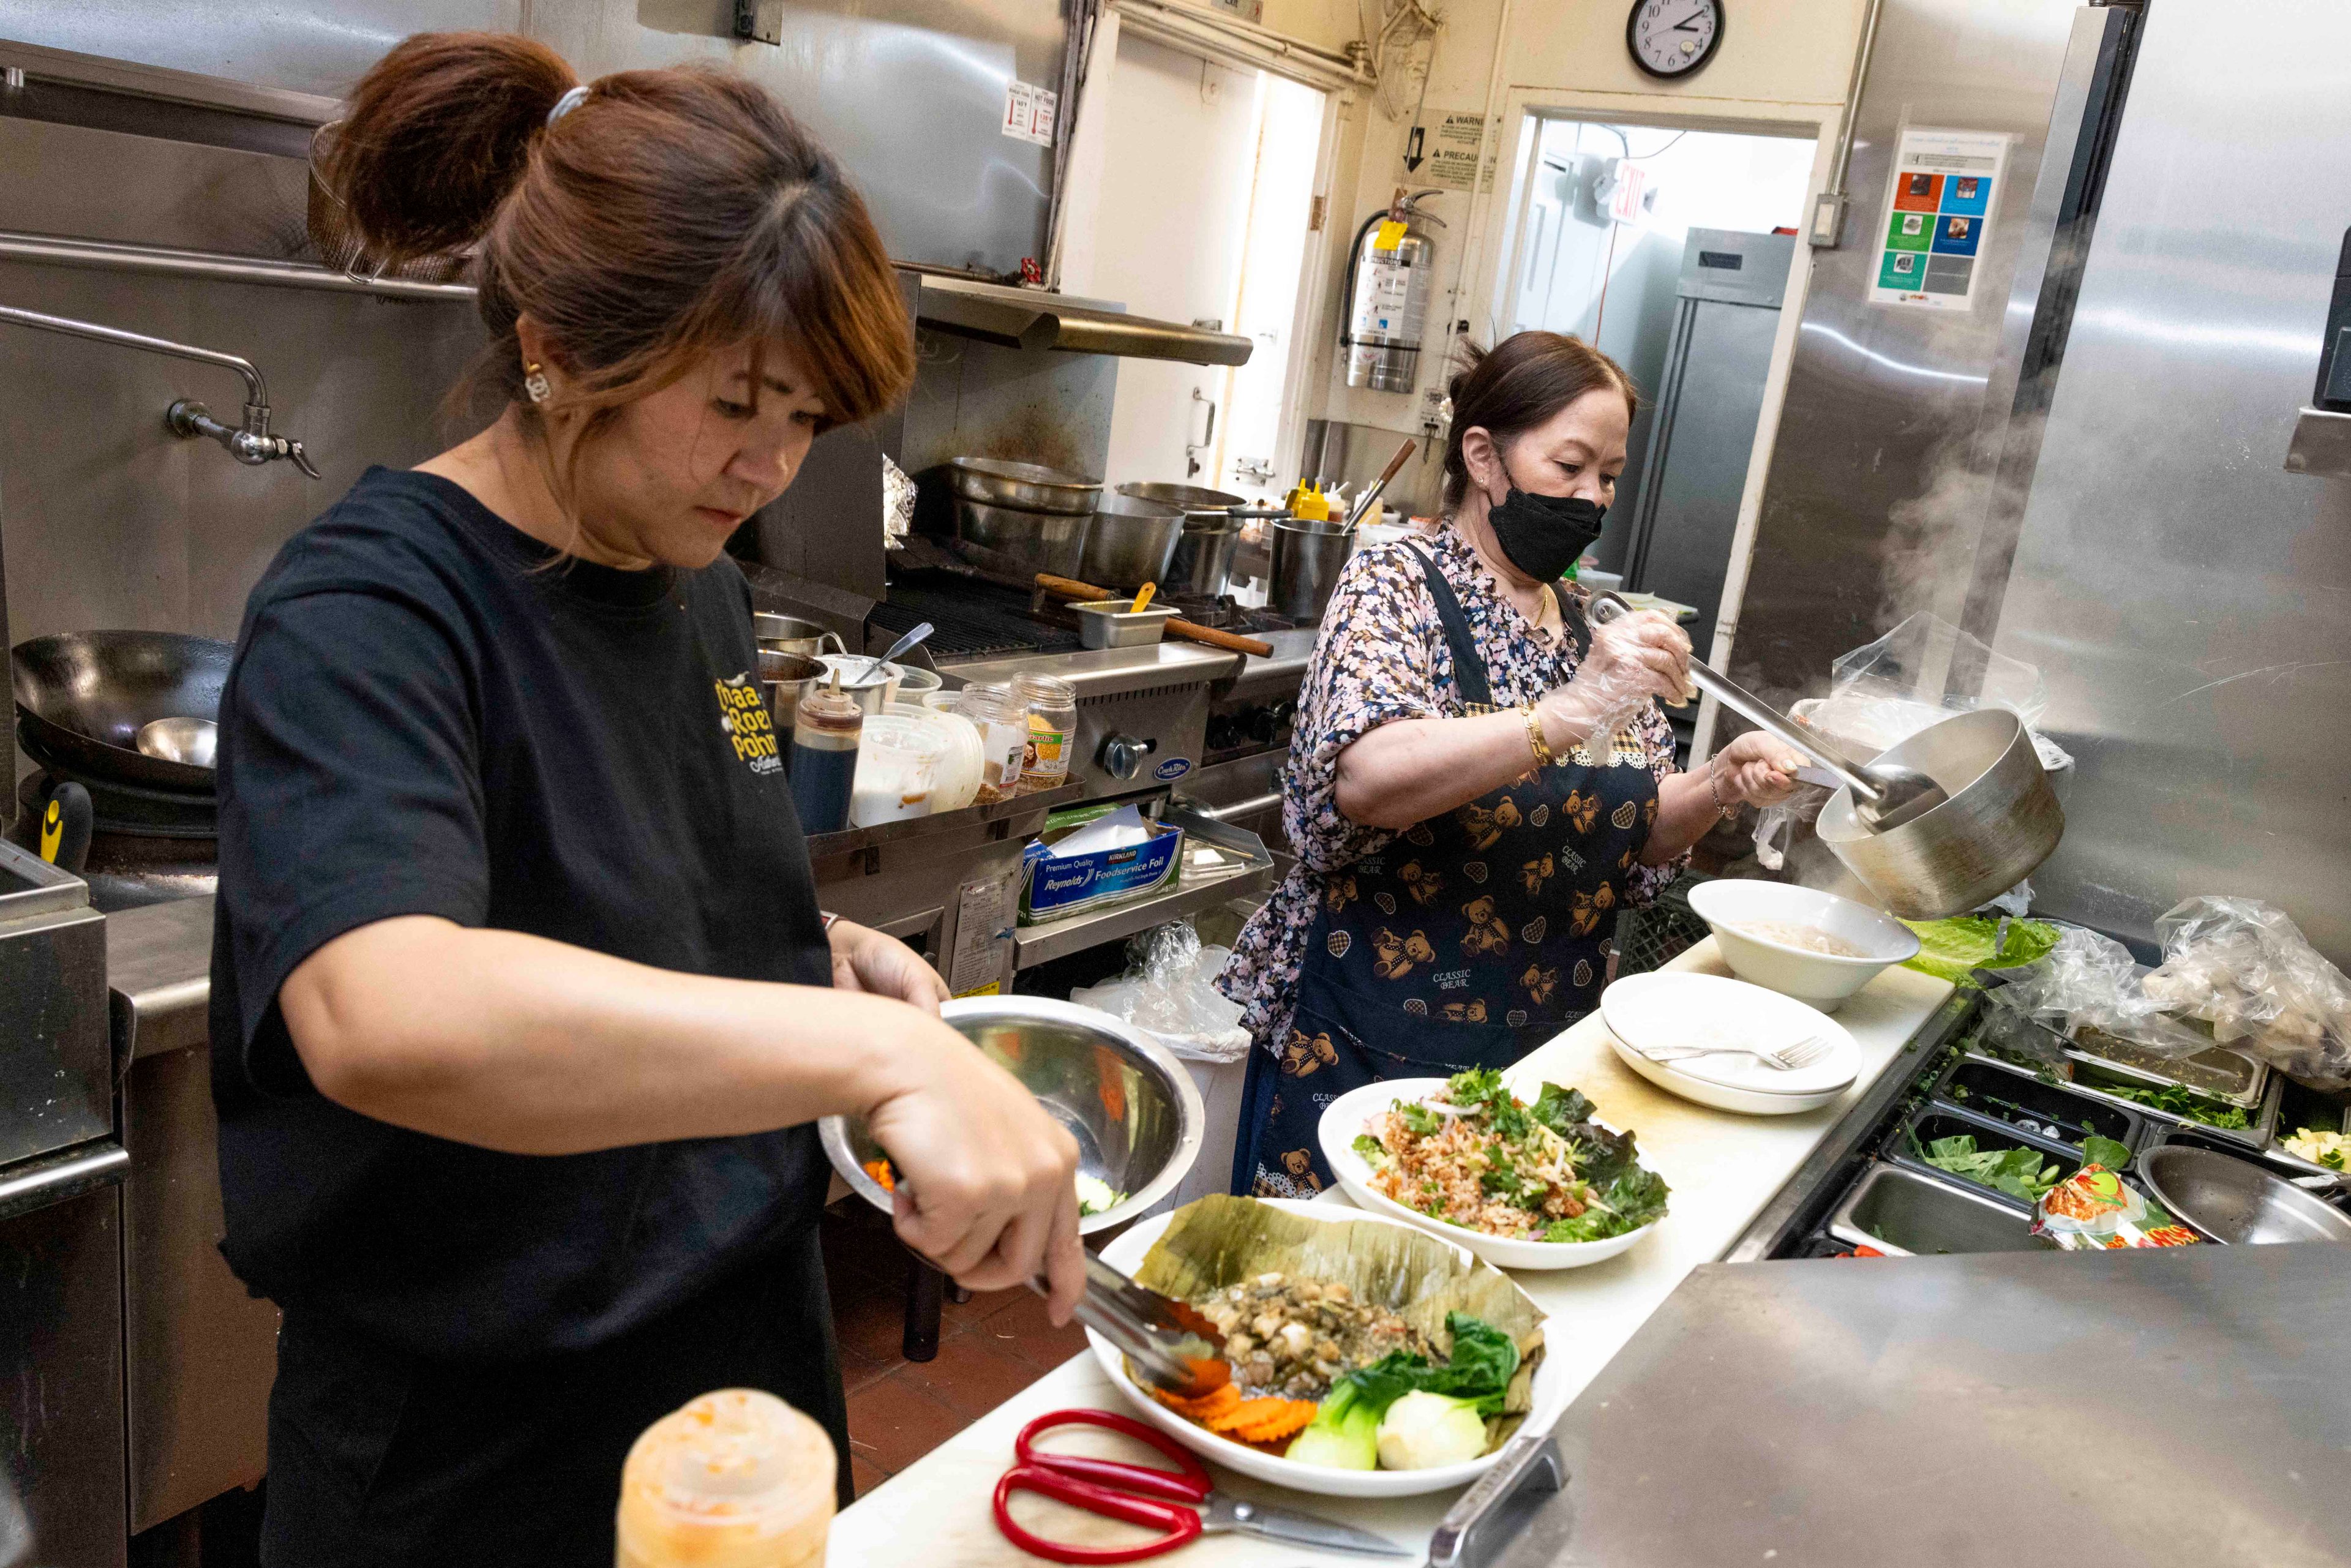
x,y
1946,186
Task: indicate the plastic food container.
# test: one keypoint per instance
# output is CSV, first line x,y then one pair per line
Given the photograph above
x,y
737,1478
957,783
897,770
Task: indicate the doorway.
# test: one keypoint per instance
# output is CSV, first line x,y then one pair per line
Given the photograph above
x,y
1614,224
1204,216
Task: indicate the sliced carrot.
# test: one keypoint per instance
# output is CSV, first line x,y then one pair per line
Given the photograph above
x,y
1262,1420
880,1171
1204,1409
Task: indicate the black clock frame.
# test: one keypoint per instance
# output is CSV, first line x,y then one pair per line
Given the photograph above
x,y
1713,47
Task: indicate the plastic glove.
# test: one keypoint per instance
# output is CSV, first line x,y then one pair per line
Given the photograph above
x,y
1755,768
1631,660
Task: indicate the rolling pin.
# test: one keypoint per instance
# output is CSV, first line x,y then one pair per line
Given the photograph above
x,y
1065,588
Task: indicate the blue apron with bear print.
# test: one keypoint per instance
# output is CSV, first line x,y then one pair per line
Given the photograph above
x,y
1469,940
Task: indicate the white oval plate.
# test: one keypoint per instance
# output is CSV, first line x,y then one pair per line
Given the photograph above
x,y
1126,1254
1699,1092
1670,1008
1344,1118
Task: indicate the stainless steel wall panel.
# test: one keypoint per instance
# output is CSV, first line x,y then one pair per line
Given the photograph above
x,y
2189,599
317,46
1875,489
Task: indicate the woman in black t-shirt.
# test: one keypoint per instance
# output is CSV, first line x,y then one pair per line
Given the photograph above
x,y
523,1007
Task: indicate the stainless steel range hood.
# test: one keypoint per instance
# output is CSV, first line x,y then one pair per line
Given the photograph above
x,y
1032,319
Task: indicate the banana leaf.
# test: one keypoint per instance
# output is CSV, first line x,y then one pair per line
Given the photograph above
x,y
1220,1240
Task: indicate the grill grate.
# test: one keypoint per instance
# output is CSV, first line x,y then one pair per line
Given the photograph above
x,y
974,620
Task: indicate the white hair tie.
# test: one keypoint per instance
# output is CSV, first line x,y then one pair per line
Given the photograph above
x,y
567,103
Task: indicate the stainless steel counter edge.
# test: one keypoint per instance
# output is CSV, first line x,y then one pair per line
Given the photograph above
x,y
159,966
1109,672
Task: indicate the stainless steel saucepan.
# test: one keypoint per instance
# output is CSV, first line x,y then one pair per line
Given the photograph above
x,y
1957,814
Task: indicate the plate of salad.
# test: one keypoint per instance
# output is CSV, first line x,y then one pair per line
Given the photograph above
x,y
1368,1358
1539,1185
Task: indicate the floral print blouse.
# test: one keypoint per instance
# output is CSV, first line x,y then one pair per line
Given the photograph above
x,y
1382,655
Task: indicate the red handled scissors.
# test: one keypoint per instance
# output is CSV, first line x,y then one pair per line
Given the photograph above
x,y
1148,1495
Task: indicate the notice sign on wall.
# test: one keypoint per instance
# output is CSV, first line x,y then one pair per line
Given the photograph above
x,y
1029,113
1945,185
1447,150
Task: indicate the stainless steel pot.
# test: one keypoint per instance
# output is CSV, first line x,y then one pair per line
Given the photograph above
x,y
1024,543
1307,556
2000,822
1032,486
791,634
1203,556
783,680
1130,542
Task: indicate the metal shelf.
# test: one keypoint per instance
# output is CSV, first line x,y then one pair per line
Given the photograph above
x,y
1035,945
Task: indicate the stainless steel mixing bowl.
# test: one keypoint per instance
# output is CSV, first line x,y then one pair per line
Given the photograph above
x,y
1133,1110
1032,486
2222,1198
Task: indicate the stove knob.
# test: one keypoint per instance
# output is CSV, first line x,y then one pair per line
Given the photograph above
x,y
1265,723
1122,754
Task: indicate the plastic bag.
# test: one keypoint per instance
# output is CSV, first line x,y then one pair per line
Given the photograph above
x,y
1169,992
2089,981
2243,967
1928,662
1775,826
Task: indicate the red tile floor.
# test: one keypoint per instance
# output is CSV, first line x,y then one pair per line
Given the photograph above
x,y
990,1348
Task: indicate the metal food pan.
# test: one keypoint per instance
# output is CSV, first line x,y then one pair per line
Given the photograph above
x,y
2220,1072
1109,624
1905,1214
2092,1076
2051,1111
1936,1120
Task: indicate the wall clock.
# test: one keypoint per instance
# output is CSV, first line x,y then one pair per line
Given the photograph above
x,y
1671,39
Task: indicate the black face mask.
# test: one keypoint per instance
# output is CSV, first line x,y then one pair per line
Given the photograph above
x,y
1542,535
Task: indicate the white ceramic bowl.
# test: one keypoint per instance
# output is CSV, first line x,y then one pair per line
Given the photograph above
x,y
1345,1119
1126,1254
1823,979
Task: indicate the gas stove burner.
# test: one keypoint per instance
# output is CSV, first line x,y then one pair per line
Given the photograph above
x,y
1223,614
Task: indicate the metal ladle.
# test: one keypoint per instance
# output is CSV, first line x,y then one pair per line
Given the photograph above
x,y
1884,795
188,740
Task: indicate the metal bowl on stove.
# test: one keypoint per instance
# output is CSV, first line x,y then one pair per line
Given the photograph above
x,y
1203,556
1130,542
1019,543
83,697
1032,486
2224,1198
1135,1111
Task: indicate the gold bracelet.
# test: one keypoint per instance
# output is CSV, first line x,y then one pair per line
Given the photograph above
x,y
1544,755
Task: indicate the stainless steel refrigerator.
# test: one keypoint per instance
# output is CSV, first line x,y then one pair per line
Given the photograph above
x,y
2085,462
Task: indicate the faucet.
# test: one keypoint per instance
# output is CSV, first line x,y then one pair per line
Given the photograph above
x,y
249,441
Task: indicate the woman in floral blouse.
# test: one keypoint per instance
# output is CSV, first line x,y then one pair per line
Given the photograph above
x,y
1478,779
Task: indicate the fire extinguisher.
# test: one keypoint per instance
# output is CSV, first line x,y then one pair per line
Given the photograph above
x,y
1389,282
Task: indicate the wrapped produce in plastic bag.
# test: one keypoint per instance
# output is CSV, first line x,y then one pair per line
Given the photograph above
x,y
1169,992
2089,981
2244,967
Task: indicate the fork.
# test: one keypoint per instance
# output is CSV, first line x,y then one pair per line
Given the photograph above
x,y
1787,1058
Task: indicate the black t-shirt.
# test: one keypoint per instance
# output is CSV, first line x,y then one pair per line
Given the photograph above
x,y
425,716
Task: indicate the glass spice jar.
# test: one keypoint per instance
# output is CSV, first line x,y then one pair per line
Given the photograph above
x,y
1052,705
1003,725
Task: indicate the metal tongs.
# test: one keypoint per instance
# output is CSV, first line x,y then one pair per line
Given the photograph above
x,y
1885,794
1169,1343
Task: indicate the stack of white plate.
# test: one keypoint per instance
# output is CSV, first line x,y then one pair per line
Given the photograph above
x,y
1668,1012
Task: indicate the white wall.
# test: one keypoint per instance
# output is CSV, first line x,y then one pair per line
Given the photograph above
x,y
1165,234
1782,63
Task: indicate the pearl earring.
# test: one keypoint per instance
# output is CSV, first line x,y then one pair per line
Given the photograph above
x,y
534,381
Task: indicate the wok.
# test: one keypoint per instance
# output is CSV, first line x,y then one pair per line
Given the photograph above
x,y
83,696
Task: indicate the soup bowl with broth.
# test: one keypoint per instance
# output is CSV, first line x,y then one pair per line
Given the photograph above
x,y
1814,946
